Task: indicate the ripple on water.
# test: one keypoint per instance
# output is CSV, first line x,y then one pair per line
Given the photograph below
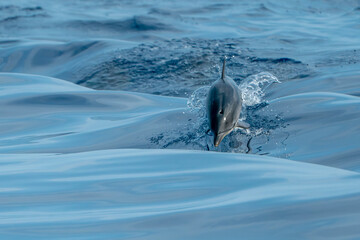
x,y
184,65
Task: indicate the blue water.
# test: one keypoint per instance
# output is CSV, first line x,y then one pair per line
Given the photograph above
x,y
103,126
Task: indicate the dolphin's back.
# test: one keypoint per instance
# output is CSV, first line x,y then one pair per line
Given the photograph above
x,y
224,104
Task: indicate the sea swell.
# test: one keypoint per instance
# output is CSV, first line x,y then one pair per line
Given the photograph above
x,y
104,132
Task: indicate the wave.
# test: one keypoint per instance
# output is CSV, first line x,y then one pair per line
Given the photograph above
x,y
12,13
136,23
41,114
65,60
124,189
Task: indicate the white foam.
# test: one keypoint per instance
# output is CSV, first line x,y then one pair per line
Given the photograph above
x,y
253,87
196,102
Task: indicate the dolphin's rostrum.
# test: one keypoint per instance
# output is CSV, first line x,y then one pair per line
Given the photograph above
x,y
224,104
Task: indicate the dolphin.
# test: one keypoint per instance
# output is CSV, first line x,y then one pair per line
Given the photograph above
x,y
224,104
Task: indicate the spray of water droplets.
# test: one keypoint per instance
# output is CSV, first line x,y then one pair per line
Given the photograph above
x,y
253,88
196,102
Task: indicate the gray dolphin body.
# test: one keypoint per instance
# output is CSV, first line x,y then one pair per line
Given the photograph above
x,y
224,104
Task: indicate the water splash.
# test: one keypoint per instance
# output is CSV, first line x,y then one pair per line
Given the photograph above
x,y
197,101
253,88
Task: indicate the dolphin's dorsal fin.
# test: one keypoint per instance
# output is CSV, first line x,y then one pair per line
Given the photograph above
x,y
223,70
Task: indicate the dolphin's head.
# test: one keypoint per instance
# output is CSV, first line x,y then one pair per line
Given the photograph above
x,y
223,111
218,137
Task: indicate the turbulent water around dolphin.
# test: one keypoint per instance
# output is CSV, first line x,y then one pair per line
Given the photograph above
x,y
103,123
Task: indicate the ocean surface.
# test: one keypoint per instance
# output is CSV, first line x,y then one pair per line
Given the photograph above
x,y
103,131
